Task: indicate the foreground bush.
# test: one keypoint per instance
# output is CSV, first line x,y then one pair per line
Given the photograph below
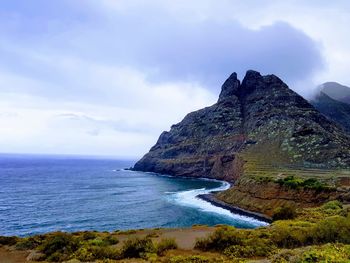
x,y
325,253
29,242
166,244
137,248
222,238
284,212
59,246
91,253
287,234
251,248
192,259
8,241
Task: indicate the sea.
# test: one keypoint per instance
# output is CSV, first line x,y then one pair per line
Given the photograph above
x,y
44,193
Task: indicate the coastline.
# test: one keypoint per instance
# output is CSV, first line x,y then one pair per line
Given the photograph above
x,y
234,209
210,198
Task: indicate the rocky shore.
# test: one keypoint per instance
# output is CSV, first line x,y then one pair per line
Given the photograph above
x,y
234,209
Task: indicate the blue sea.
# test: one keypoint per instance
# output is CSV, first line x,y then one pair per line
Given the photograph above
x,y
40,194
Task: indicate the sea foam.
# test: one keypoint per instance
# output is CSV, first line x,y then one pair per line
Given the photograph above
x,y
190,198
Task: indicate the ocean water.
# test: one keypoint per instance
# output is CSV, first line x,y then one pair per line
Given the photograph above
x,y
39,194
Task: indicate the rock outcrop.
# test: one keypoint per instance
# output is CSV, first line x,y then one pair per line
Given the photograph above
x,y
260,117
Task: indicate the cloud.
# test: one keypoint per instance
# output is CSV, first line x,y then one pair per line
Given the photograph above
x,y
165,46
108,76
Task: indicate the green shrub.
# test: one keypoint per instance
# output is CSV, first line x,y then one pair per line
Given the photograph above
x,y
291,182
327,253
333,229
89,235
106,241
333,205
8,241
291,234
284,213
166,244
310,183
91,253
137,248
252,247
110,240
222,238
190,259
59,246
27,243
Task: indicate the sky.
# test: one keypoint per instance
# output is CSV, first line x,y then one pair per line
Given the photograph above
x,y
106,77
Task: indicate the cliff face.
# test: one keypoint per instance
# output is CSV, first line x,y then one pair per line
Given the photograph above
x,y
260,117
265,196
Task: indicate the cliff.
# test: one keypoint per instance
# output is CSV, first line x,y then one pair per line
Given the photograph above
x,y
259,128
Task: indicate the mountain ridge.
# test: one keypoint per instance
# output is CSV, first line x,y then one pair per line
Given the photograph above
x,y
259,112
336,91
337,111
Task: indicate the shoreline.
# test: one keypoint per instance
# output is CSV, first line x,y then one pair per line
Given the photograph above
x,y
210,198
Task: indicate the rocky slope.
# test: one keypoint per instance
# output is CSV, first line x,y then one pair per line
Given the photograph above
x,y
261,115
335,110
258,129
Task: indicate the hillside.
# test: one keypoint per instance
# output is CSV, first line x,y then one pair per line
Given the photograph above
x,y
257,135
335,110
336,91
260,115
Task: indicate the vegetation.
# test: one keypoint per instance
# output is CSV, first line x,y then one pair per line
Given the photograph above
x,y
284,212
310,183
137,248
8,241
319,234
194,259
166,244
333,228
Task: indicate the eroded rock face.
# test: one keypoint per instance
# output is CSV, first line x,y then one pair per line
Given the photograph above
x,y
262,116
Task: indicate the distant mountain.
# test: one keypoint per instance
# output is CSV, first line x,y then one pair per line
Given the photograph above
x,y
260,116
335,110
336,91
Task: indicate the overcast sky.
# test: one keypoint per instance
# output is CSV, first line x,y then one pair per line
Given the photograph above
x,y
105,77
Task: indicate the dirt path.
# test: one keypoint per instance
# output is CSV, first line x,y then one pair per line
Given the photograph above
x,y
185,237
12,256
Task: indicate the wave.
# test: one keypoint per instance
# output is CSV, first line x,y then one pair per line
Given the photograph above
x,y
190,198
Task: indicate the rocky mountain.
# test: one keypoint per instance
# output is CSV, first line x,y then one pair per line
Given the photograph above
x,y
335,110
336,91
258,119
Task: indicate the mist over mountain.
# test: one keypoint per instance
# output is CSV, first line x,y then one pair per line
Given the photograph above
x,y
335,110
336,91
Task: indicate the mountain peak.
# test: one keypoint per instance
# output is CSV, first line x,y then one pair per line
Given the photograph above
x,y
261,118
230,87
336,91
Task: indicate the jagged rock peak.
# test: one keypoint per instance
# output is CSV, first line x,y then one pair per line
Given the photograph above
x,y
252,80
233,87
230,87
